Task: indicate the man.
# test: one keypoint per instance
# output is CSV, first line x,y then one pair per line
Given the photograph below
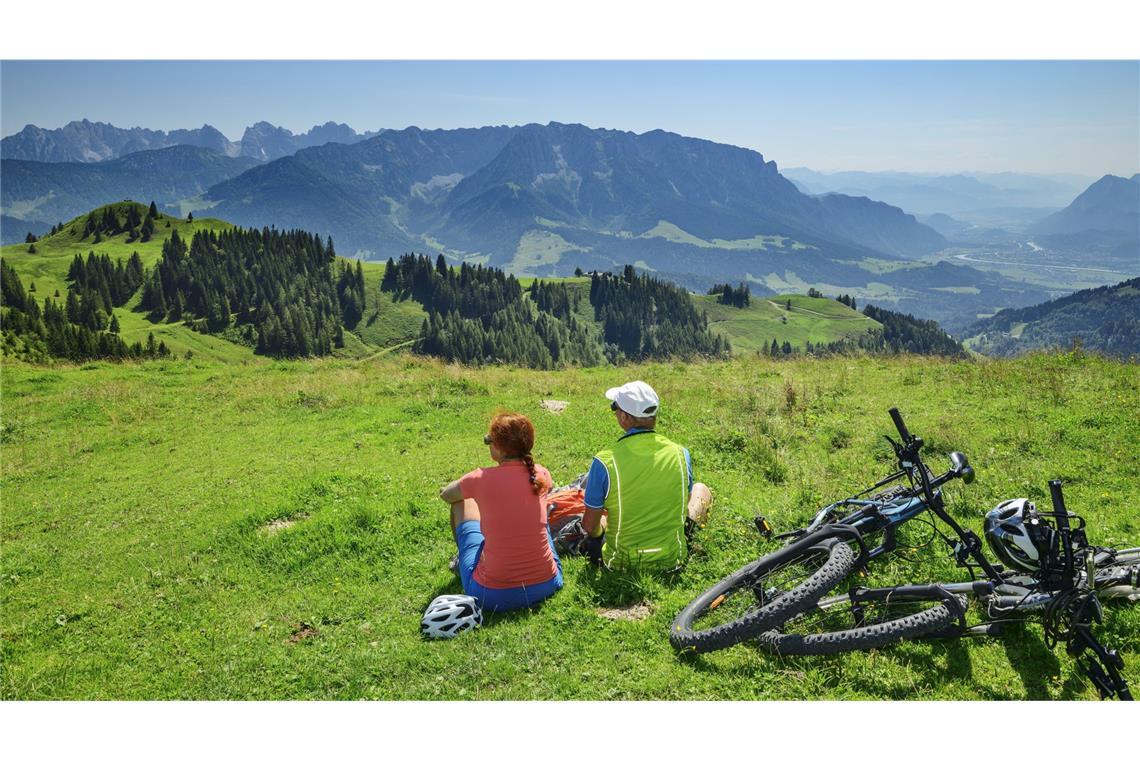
x,y
645,484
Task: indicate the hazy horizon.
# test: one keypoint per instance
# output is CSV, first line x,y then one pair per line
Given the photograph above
x,y
1053,117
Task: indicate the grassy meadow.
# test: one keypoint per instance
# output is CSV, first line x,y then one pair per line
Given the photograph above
x,y
195,529
793,318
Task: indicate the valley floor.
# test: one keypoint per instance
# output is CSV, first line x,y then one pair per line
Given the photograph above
x,y
270,530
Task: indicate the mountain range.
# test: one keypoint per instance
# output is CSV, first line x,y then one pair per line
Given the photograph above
x,y
524,196
92,142
543,200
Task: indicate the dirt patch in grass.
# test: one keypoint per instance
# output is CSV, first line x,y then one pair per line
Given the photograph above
x,y
553,405
281,523
635,611
301,632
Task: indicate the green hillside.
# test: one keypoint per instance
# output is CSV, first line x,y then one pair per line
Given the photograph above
x,y
47,267
384,324
753,328
271,530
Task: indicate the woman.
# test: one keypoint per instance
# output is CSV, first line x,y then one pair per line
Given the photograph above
x,y
506,559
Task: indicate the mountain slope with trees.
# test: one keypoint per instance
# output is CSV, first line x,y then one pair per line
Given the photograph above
x,y
1106,320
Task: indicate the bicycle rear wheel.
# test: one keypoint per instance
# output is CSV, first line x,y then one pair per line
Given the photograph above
x,y
761,595
879,618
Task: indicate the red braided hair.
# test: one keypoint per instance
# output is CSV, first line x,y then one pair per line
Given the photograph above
x,y
513,434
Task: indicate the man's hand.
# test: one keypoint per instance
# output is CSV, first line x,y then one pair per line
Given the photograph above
x,y
591,548
594,521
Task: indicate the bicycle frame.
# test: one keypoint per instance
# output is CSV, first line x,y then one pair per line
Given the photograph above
x,y
873,516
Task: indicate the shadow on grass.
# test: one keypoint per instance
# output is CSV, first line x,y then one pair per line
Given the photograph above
x,y
1034,662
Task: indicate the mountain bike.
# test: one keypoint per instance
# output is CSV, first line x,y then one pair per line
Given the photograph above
x,y
838,540
1066,590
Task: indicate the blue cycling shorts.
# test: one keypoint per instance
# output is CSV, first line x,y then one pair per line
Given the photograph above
x,y
469,538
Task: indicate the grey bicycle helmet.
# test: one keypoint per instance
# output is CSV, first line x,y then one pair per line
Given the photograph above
x,y
1017,534
449,615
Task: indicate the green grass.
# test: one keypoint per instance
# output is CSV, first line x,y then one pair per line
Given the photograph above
x,y
819,320
675,234
386,322
539,248
135,563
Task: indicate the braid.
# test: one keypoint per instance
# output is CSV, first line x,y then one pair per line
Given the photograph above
x,y
529,461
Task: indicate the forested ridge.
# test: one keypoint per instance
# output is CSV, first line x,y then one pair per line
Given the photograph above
x,y
481,315
646,318
1104,319
281,292
478,315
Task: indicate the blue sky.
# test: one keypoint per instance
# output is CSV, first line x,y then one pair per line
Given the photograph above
x,y
1081,117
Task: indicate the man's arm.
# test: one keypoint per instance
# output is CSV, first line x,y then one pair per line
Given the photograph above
x,y
593,522
597,488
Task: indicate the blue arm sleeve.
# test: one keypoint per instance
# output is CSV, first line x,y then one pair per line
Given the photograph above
x,y
597,485
689,467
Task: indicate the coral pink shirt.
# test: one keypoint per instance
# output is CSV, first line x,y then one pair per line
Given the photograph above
x,y
517,547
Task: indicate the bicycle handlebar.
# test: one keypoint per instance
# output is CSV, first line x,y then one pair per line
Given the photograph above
x,y
1062,514
900,425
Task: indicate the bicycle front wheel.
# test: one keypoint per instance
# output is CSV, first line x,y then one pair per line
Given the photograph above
x,y
761,595
878,618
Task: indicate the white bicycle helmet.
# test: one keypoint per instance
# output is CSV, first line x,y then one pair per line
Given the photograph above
x,y
1014,532
449,615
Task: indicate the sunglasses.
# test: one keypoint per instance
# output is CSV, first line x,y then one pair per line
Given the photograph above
x,y
613,406
486,440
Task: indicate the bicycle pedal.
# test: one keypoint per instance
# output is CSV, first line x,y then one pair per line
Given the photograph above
x,y
763,526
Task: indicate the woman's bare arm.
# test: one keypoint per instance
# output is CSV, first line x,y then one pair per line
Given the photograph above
x,y
451,493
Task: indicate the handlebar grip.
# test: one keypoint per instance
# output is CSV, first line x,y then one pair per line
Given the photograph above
x,y
1059,503
899,424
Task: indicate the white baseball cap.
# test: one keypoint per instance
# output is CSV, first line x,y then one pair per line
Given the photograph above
x,y
636,399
